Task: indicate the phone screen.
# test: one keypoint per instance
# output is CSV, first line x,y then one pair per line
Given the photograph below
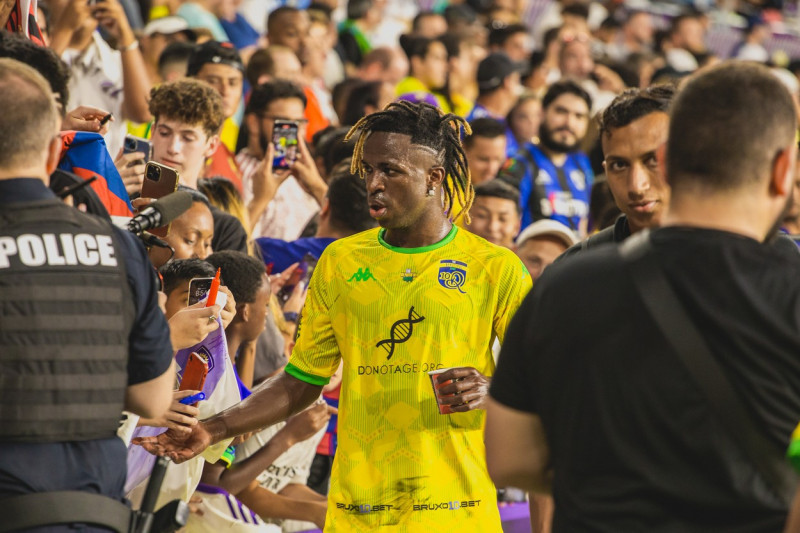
x,y
284,139
198,289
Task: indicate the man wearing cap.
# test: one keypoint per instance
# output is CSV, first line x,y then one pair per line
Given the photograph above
x,y
498,89
554,178
541,243
220,65
157,35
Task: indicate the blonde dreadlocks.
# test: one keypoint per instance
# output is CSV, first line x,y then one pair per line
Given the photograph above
x,y
427,126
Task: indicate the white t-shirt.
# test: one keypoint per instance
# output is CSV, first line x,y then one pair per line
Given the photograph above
x,y
97,81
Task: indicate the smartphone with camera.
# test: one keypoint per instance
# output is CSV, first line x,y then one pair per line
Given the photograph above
x,y
284,139
302,274
136,144
159,181
198,289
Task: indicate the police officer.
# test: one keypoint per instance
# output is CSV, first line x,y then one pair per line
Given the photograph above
x,y
81,334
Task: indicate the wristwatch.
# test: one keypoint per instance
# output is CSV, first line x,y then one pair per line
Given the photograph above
x,y
290,316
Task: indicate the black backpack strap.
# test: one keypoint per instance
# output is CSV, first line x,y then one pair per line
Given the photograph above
x,y
63,507
686,340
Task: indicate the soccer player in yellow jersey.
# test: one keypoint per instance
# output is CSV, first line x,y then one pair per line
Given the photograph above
x,y
394,303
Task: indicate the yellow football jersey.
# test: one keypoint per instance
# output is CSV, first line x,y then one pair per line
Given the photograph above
x,y
394,314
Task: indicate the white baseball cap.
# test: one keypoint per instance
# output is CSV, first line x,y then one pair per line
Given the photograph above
x,y
551,228
166,26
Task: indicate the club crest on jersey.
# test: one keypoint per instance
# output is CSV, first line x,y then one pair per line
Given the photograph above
x,y
452,274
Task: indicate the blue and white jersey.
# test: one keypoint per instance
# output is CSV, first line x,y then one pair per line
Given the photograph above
x,y
546,191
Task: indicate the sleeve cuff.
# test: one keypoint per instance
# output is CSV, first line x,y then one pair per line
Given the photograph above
x,y
305,376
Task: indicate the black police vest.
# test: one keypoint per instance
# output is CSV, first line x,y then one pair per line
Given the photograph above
x,y
65,317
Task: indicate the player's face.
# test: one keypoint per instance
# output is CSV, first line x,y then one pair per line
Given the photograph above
x,y
632,169
398,175
485,156
495,219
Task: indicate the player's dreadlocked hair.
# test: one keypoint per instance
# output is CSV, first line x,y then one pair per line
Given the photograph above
x,y
427,126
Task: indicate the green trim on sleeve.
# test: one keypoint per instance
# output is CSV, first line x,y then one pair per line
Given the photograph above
x,y
305,376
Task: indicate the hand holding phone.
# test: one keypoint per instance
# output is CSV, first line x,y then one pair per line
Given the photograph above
x,y
159,181
136,144
302,274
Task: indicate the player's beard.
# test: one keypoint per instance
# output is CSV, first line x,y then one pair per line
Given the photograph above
x,y
548,141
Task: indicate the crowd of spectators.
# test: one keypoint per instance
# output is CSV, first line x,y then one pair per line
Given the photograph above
x,y
566,114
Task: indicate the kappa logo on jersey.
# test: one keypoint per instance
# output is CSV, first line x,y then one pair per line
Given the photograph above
x,y
400,332
452,274
363,274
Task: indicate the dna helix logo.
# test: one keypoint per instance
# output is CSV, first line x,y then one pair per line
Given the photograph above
x,y
400,332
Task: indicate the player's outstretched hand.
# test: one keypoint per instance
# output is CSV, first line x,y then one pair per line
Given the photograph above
x,y
467,391
177,446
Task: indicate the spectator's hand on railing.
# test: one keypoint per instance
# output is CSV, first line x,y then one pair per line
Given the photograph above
x,y
86,118
191,325
179,417
468,390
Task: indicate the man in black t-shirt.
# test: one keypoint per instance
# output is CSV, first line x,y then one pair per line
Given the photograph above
x,y
597,408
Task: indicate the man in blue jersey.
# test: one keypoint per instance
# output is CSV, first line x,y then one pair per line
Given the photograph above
x,y
554,178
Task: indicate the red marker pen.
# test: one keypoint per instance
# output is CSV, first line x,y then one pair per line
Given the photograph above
x,y
212,292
